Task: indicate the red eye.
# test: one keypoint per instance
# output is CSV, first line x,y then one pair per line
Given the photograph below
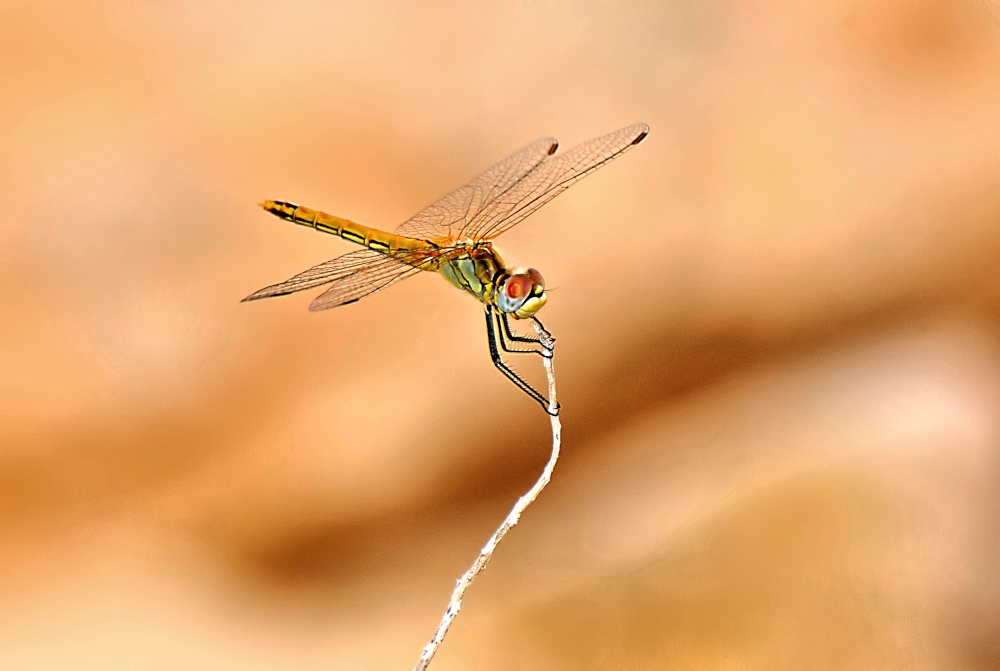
x,y
517,286
536,278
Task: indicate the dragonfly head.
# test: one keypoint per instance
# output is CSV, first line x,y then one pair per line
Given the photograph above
x,y
522,294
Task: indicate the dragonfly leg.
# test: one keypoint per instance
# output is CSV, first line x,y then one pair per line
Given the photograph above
x,y
507,370
505,333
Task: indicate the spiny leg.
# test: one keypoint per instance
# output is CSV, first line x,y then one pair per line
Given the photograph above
x,y
506,370
501,318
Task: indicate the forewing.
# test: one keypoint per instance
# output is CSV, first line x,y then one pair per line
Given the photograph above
x,y
451,214
551,177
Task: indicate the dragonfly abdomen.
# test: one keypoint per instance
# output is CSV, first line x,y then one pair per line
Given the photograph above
x,y
370,237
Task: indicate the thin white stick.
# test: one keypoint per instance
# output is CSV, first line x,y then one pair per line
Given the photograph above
x,y
455,605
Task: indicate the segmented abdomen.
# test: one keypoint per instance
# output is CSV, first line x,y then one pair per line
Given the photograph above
x,y
370,237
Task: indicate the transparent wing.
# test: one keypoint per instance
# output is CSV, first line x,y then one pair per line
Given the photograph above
x,y
452,213
551,177
363,282
324,273
353,276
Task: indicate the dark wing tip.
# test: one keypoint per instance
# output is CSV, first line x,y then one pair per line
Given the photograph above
x,y
318,305
553,148
643,132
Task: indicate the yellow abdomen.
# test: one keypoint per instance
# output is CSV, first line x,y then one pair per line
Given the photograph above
x,y
370,237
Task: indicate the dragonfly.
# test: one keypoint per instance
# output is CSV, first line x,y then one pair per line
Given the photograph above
x,y
454,237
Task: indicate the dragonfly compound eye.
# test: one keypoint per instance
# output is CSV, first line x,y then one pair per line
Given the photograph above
x,y
518,286
536,278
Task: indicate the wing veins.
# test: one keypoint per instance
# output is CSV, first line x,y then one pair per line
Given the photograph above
x,y
338,269
550,178
453,212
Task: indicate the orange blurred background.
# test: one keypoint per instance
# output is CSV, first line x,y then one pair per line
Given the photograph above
x,y
778,358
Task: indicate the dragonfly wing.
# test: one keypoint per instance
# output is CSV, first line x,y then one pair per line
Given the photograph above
x,y
352,276
451,214
551,177
362,282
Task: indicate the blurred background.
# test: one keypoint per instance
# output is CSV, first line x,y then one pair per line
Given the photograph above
x,y
778,357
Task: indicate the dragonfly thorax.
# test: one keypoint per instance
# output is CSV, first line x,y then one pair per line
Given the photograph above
x,y
475,271
482,272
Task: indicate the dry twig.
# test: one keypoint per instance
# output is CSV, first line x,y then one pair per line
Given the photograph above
x,y
455,605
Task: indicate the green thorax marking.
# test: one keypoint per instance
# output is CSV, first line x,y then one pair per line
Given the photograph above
x,y
476,271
